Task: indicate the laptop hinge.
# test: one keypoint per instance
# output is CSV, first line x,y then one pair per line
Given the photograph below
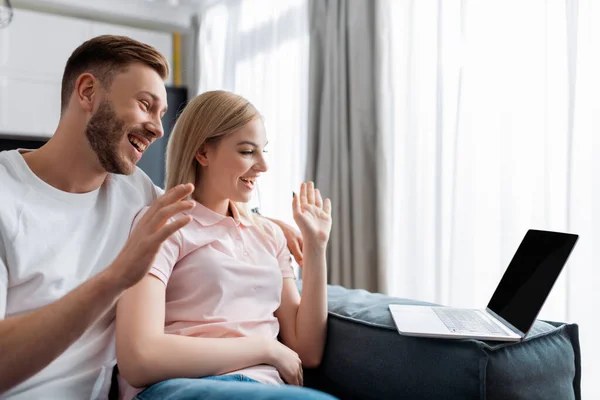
x,y
505,322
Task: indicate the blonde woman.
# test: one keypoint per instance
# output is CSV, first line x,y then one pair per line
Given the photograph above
x,y
205,321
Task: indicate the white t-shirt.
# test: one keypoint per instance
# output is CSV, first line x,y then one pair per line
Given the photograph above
x,y
52,241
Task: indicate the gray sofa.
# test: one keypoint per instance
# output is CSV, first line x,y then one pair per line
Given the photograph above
x,y
366,358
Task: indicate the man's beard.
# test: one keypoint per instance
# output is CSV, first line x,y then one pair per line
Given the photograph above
x,y
105,131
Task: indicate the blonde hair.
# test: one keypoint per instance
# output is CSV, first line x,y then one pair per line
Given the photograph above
x,y
205,120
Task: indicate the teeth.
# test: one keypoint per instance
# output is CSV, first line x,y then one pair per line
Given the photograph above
x,y
138,144
249,180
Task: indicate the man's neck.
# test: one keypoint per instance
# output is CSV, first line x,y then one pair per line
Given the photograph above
x,y
67,163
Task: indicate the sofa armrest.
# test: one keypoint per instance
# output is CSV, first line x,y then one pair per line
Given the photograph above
x,y
366,358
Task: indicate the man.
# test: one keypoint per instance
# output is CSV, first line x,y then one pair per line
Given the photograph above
x,y
66,253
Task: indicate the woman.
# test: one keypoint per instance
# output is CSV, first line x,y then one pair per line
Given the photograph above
x,y
204,323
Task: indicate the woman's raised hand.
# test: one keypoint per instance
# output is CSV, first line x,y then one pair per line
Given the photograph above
x,y
312,215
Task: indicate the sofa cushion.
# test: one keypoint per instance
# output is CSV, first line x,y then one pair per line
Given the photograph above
x,y
366,358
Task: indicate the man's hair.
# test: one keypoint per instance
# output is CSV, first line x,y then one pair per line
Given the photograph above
x,y
104,57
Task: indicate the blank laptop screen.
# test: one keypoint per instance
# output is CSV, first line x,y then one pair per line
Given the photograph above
x,y
530,276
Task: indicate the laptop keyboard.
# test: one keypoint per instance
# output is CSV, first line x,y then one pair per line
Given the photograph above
x,y
465,321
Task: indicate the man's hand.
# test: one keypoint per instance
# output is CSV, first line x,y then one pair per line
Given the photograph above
x,y
136,257
31,341
293,238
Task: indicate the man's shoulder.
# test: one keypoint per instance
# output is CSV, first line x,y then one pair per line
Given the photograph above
x,y
11,185
12,191
140,183
7,160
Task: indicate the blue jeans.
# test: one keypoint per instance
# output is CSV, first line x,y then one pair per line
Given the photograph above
x,y
226,387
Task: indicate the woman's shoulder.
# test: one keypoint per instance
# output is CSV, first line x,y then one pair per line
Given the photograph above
x,y
145,209
272,232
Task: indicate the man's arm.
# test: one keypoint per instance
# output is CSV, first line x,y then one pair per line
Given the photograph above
x,y
30,342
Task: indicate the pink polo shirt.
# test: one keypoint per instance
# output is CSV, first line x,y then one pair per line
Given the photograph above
x,y
224,278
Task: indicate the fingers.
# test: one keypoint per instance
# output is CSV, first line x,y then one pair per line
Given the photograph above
x,y
303,197
327,207
296,203
318,199
296,249
300,376
172,195
312,196
163,214
289,378
169,229
297,379
310,193
300,243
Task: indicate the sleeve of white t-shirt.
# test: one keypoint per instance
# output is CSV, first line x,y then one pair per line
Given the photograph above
x,y
284,257
158,191
3,279
167,256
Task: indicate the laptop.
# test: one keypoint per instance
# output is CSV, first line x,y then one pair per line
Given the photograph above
x,y
515,304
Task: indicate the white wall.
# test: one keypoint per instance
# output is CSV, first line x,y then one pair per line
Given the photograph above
x,y
155,15
33,52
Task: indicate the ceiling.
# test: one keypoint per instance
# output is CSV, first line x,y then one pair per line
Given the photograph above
x,y
192,4
167,15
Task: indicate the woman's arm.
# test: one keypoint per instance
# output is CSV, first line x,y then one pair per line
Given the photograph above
x,y
303,321
147,355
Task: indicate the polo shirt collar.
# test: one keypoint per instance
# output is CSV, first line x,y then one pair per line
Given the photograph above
x,y
207,217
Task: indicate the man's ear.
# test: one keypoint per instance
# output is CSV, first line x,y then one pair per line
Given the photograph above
x,y
86,87
202,155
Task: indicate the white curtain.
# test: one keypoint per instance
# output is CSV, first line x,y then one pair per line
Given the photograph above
x,y
259,50
496,121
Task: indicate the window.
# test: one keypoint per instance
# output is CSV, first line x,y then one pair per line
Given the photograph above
x,y
260,51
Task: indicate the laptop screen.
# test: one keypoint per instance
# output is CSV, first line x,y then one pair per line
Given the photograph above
x,y
530,276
